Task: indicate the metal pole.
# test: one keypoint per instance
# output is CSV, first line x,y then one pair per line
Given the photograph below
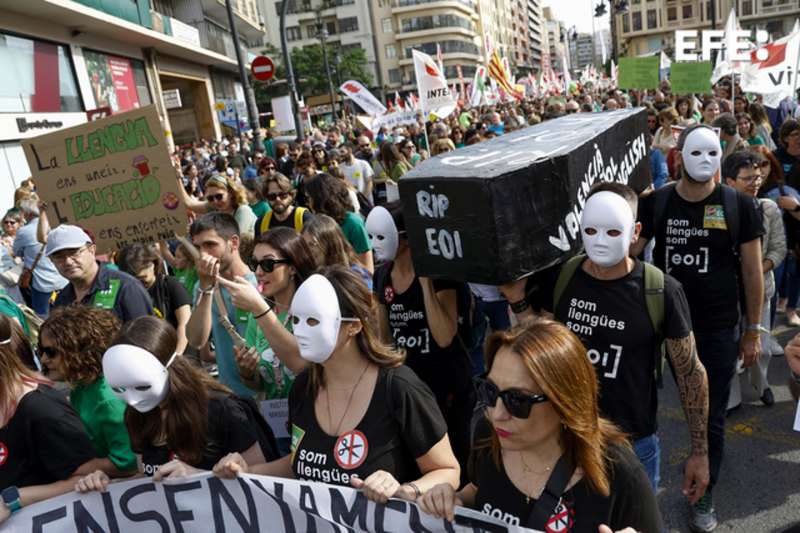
x,y
287,61
249,95
323,34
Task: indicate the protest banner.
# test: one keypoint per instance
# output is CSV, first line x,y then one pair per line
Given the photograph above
x,y
112,176
499,210
390,120
687,77
434,94
204,503
638,72
361,96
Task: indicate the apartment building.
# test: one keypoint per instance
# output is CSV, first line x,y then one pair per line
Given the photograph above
x,y
536,33
649,25
557,47
63,58
581,51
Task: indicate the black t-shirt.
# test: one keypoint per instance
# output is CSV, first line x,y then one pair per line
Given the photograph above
x,y
611,319
393,433
408,323
44,442
229,430
631,502
695,247
168,294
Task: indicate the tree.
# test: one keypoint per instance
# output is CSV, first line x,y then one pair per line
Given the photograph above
x,y
309,68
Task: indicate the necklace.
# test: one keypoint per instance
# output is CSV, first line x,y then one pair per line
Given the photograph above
x,y
349,401
529,470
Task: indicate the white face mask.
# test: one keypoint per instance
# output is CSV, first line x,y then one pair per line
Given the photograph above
x,y
607,228
316,318
382,234
136,376
701,154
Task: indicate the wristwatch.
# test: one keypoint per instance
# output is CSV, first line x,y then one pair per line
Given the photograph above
x,y
11,498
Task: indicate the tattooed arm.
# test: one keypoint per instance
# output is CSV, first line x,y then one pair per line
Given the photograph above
x,y
692,382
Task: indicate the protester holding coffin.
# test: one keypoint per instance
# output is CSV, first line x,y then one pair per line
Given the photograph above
x,y
542,455
179,419
358,416
170,299
708,237
421,316
45,448
90,282
71,343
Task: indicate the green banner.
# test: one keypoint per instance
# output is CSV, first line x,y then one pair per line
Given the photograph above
x,y
638,72
688,77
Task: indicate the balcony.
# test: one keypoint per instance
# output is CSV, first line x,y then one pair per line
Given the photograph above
x,y
218,39
248,24
404,6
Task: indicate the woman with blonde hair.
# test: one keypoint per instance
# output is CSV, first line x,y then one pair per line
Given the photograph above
x,y
542,451
441,146
225,195
357,409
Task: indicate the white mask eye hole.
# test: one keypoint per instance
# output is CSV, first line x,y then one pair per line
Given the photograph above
x,y
143,388
696,153
713,153
614,233
311,321
295,320
118,390
371,236
590,231
380,237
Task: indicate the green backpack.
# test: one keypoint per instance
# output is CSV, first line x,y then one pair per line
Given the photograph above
x,y
653,296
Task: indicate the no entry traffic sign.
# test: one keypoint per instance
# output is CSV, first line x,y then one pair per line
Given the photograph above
x,y
262,68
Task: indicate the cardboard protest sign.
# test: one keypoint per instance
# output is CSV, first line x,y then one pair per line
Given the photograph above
x,y
499,210
206,503
638,72
112,176
688,77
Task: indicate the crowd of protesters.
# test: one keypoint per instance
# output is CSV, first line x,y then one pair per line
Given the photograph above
x,y
296,284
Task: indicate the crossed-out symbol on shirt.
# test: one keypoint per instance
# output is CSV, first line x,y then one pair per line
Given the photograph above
x,y
351,449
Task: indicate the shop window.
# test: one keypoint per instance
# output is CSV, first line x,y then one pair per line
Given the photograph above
x,y
37,77
117,82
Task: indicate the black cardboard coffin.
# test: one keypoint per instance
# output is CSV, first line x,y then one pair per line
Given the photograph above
x,y
501,209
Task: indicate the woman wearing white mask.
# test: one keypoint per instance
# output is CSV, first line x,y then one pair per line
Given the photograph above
x,y
179,419
338,408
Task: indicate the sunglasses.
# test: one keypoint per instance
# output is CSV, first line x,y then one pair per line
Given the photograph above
x,y
268,264
49,351
215,197
517,403
271,197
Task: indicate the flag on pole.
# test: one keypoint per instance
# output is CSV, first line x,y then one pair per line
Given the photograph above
x,y
725,64
478,87
498,73
767,72
603,51
434,94
398,102
439,57
361,96
613,71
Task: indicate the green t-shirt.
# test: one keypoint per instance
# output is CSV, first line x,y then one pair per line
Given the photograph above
x,y
9,308
187,277
268,362
260,208
356,232
103,415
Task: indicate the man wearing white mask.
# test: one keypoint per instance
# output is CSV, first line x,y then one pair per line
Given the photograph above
x,y
708,238
605,298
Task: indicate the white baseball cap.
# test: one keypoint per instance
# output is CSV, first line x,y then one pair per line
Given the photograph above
x,y
65,237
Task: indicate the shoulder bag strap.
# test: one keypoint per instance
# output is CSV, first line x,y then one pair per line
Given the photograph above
x,y
564,277
548,501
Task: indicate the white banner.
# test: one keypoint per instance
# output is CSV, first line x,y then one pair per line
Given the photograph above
x,y
205,503
434,94
771,66
365,99
390,120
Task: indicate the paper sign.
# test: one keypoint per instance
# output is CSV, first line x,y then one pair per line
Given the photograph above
x,y
688,77
638,72
276,413
112,177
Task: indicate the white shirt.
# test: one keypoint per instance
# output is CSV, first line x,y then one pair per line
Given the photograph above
x,y
359,174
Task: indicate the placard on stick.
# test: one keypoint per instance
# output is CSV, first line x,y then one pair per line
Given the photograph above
x,y
638,72
112,176
688,77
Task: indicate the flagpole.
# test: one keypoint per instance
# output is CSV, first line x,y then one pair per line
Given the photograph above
x,y
794,84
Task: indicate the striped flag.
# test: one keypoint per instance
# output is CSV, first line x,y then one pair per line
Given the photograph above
x,y
498,73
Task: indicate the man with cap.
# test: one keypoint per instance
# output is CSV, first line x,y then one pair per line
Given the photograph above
x,y
90,282
708,237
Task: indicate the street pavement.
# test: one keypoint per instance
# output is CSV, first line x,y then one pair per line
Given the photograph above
x,y
759,485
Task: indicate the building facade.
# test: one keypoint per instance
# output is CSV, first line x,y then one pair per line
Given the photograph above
x,y
581,51
70,57
557,46
649,25
536,33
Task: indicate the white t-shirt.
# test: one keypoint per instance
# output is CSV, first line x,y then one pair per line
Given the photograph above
x,y
359,174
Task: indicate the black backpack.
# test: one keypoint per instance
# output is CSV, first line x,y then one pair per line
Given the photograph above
x,y
266,438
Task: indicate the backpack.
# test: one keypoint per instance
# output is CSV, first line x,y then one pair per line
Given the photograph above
x,y
465,304
653,297
730,206
298,220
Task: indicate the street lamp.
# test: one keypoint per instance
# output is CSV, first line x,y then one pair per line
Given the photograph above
x,y
322,34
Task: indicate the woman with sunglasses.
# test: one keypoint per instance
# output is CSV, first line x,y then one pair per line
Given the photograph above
x,y
226,196
408,149
356,397
12,221
541,429
71,343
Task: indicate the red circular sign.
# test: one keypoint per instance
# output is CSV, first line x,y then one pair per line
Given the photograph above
x,y
3,453
351,449
262,68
